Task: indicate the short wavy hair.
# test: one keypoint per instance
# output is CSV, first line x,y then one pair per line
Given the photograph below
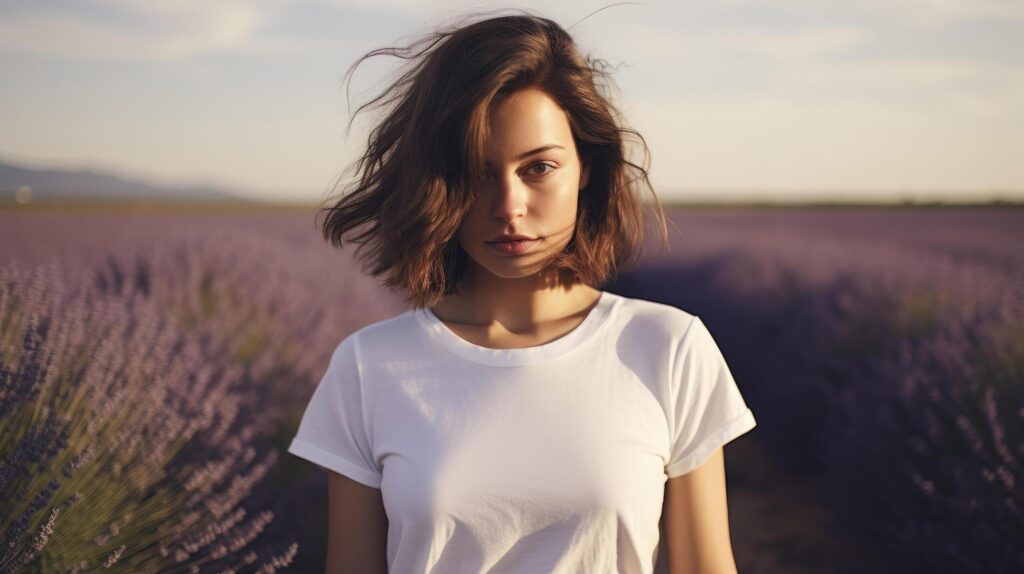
x,y
415,182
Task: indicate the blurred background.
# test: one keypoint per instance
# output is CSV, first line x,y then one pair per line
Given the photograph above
x,y
843,186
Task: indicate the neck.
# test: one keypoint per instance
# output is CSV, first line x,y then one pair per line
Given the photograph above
x,y
519,304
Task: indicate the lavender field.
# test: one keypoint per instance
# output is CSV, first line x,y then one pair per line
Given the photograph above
x,y
153,367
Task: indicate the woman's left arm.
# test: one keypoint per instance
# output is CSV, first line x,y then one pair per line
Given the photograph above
x,y
695,521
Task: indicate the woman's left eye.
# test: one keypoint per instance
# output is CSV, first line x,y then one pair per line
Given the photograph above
x,y
542,165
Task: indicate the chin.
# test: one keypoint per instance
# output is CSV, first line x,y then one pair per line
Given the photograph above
x,y
511,268
514,274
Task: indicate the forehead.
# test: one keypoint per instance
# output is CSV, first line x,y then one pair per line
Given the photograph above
x,y
525,120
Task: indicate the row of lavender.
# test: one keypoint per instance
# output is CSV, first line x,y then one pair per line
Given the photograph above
x,y
142,402
888,365
147,383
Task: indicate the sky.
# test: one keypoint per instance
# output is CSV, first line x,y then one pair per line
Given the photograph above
x,y
737,99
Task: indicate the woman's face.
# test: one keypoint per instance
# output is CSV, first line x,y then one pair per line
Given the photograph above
x,y
534,178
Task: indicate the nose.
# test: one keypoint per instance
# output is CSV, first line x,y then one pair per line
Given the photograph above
x,y
509,197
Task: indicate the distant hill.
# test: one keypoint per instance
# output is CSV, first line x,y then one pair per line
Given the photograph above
x,y
33,185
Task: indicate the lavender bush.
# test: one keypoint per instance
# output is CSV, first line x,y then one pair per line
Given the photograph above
x,y
122,443
152,388
932,449
886,364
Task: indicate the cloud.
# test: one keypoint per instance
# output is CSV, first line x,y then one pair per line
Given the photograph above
x,y
931,12
151,30
778,45
924,78
801,44
747,143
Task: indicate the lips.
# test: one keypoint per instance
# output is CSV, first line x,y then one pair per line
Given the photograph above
x,y
504,238
514,247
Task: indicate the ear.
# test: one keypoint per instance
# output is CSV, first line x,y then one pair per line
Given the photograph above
x,y
585,173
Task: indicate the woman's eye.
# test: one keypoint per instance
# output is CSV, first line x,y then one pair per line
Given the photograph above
x,y
540,165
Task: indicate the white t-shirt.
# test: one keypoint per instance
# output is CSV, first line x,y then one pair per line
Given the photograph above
x,y
550,458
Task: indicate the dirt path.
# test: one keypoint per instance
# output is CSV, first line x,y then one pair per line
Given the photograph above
x,y
778,524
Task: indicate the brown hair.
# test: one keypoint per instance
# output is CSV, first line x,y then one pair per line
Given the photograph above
x,y
415,179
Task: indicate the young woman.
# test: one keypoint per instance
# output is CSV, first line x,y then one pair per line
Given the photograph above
x,y
517,418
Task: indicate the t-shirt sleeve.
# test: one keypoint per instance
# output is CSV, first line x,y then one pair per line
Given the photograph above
x,y
332,432
707,409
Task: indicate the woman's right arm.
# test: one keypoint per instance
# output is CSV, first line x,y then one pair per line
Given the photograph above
x,y
357,527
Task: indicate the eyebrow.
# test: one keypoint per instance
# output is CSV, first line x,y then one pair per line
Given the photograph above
x,y
538,150
542,148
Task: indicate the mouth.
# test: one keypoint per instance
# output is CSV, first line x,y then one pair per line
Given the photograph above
x,y
513,237
513,247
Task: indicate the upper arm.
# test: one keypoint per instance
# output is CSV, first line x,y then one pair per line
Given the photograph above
x,y
357,527
334,434
706,412
695,521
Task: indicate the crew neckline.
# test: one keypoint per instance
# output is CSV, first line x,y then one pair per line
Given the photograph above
x,y
523,355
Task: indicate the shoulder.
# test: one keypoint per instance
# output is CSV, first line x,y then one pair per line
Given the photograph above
x,y
386,336
654,321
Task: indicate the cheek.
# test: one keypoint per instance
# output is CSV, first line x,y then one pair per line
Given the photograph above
x,y
559,202
471,224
